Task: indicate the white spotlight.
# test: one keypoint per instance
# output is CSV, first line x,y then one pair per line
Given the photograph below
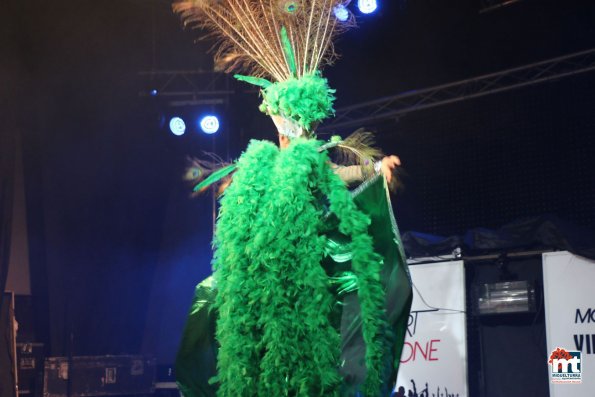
x,y
177,126
209,124
341,12
367,6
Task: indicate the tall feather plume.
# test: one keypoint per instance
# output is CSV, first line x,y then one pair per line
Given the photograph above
x,y
249,39
358,148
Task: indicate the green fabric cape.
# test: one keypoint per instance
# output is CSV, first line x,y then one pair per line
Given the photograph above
x,y
196,358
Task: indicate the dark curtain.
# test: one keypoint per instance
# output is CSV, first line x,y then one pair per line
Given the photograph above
x,y
7,376
6,198
98,172
6,179
8,131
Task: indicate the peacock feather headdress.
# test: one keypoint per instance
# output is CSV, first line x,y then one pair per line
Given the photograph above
x,y
280,46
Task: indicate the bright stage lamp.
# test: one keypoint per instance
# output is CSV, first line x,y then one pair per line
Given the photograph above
x,y
341,12
209,124
177,126
367,6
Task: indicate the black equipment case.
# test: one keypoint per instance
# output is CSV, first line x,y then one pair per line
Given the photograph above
x,y
99,376
30,359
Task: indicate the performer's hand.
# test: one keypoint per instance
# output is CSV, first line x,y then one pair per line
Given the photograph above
x,y
223,185
388,165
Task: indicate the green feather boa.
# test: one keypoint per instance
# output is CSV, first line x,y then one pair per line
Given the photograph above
x,y
307,100
274,298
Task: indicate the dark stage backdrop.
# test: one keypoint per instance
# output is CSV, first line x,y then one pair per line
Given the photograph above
x,y
94,223
9,69
489,161
98,171
9,74
116,243
184,252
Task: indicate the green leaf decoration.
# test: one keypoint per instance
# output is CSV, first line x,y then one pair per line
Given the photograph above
x,y
215,176
258,81
288,51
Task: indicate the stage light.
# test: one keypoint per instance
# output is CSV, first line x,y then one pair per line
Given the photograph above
x,y
209,124
153,92
177,126
505,297
367,6
341,12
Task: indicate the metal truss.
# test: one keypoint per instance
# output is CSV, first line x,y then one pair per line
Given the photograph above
x,y
392,107
187,87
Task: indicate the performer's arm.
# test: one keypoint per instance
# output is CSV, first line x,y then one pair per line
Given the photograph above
x,y
355,173
349,174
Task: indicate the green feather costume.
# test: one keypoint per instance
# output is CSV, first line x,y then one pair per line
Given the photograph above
x,y
310,293
310,285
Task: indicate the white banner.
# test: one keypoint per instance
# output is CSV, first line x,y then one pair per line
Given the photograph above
x,y
570,324
434,359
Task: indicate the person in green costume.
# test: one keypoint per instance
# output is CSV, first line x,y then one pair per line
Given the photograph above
x,y
310,293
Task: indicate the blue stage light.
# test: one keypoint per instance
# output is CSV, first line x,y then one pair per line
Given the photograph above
x,y
209,124
153,92
341,12
177,126
367,6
